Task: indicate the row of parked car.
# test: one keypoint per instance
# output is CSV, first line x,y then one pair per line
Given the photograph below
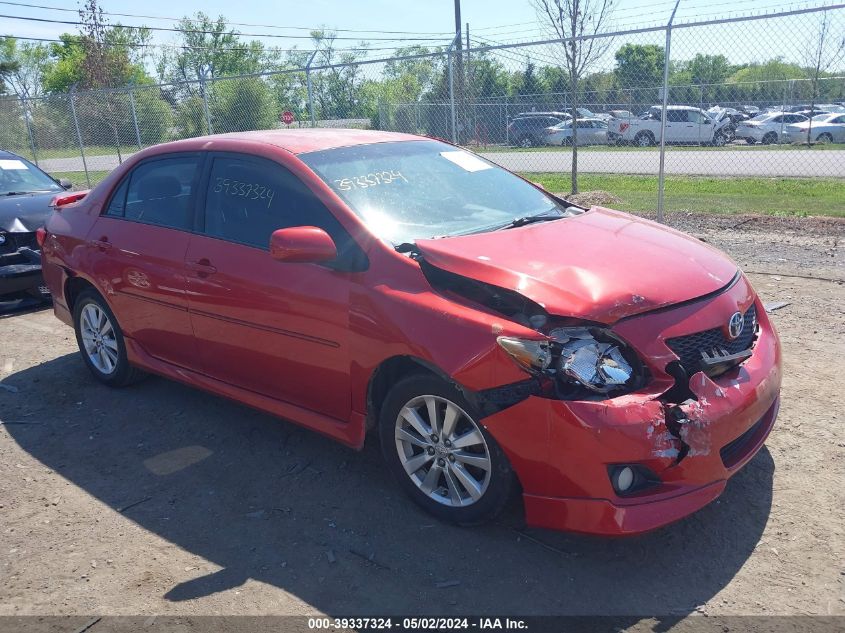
x,y
684,125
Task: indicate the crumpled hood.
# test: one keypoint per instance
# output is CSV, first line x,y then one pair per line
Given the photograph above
x,y
602,265
24,214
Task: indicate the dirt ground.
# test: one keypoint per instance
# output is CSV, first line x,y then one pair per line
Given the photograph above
x,y
161,499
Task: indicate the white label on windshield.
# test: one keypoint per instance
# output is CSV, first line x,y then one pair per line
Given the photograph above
x,y
466,160
12,164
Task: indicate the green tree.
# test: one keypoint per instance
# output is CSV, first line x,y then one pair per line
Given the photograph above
x,y
24,63
238,105
528,82
639,71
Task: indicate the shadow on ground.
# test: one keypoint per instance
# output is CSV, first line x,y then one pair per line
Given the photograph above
x,y
265,500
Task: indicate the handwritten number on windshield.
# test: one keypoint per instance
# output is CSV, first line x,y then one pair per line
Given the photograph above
x,y
373,179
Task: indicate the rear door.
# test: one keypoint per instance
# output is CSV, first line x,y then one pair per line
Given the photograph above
x,y
137,251
278,329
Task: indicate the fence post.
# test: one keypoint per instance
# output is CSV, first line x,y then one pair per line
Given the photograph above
x,y
452,88
79,134
661,173
204,91
134,116
28,120
310,89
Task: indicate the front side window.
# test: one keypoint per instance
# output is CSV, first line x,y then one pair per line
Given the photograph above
x,y
410,190
159,192
249,198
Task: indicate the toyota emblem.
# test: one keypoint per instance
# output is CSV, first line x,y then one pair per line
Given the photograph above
x,y
735,324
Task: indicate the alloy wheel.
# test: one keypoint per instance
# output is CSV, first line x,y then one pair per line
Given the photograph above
x,y
443,451
98,338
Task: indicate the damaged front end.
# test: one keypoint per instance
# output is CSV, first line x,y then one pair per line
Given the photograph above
x,y
20,264
623,428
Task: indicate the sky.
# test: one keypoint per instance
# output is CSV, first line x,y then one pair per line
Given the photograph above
x,y
430,22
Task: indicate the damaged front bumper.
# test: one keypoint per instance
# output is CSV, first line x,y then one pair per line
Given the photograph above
x,y
563,451
20,267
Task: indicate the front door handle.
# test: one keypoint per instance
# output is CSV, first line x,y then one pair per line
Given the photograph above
x,y
201,267
103,243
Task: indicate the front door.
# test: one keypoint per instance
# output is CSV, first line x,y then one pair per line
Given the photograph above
x,y
278,329
137,249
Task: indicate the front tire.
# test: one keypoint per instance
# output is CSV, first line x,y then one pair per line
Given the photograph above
x,y
440,454
100,341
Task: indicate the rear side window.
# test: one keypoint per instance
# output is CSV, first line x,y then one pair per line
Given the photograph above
x,y
158,192
249,198
676,116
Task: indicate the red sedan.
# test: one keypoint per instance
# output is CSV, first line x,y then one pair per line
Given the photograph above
x,y
497,338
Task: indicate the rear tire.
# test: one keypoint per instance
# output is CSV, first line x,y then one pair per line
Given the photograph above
x,y
644,139
770,138
750,141
452,468
100,341
824,138
526,141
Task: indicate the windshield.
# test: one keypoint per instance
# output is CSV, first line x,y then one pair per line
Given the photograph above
x,y
420,189
21,176
823,117
585,113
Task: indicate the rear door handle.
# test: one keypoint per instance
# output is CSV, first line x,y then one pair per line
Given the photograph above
x,y
103,243
202,267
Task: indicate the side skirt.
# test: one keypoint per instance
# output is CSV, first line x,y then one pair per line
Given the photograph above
x,y
351,433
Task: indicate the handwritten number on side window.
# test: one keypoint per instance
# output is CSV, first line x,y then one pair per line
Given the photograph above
x,y
239,189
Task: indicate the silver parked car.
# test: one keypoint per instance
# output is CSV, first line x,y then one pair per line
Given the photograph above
x,y
767,128
590,132
825,128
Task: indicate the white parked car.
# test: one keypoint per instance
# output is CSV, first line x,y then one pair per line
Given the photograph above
x,y
825,128
590,132
768,128
684,124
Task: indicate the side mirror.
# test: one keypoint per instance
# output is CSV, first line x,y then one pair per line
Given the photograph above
x,y
65,183
302,245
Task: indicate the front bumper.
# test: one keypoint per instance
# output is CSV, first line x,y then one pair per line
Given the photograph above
x,y
20,270
561,450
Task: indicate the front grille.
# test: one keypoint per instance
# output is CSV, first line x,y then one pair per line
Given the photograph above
x,y
14,241
691,348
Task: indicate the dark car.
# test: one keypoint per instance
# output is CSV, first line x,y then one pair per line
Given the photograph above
x,y
527,129
25,196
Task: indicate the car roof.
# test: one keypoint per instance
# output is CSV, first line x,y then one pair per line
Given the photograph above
x,y
297,140
674,107
7,154
526,115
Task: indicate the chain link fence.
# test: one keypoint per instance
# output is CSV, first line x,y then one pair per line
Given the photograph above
x,y
721,110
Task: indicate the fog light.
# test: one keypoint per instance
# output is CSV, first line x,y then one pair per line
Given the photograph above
x,y
624,479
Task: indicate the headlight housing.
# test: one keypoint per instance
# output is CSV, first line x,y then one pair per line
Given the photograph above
x,y
581,362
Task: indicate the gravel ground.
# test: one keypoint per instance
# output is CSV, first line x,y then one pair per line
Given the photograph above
x,y
160,499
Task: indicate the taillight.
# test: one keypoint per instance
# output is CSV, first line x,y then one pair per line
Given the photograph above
x,y
64,199
40,235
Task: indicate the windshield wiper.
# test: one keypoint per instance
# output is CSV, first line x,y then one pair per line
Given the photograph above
x,y
21,193
531,219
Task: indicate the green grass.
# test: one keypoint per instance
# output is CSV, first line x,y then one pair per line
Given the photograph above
x,y
768,196
796,147
78,177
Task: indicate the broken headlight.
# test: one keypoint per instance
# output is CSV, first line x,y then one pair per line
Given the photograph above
x,y
585,362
